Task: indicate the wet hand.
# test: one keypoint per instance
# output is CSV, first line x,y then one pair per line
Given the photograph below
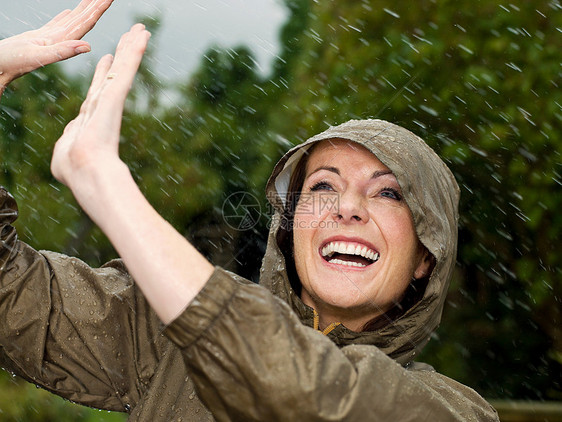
x,y
88,149
167,268
57,40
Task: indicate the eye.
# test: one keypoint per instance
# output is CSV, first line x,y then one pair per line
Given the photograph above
x,y
391,193
322,185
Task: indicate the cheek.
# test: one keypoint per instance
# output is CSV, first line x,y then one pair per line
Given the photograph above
x,y
397,225
398,230
305,229
301,253
302,234
298,241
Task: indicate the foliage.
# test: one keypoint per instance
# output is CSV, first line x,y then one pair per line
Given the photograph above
x,y
23,402
33,112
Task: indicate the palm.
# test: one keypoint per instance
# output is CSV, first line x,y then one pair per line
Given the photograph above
x,y
92,139
58,40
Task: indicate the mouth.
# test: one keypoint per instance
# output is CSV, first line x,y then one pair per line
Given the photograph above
x,y
351,254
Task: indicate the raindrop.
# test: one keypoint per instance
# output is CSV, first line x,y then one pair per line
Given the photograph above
x,y
514,67
464,48
391,13
460,27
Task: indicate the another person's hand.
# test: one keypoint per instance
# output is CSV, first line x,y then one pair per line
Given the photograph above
x,y
89,145
57,40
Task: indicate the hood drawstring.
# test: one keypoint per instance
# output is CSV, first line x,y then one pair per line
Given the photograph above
x,y
326,330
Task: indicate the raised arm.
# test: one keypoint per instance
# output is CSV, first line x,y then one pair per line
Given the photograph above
x,y
167,268
57,40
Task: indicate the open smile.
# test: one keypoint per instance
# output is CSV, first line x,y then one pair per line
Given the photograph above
x,y
351,254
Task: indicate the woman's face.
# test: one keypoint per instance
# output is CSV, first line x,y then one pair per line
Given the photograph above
x,y
355,246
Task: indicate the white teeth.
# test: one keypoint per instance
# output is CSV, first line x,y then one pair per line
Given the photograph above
x,y
349,249
348,263
363,252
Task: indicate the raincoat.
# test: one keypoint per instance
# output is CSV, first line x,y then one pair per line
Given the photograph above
x,y
239,351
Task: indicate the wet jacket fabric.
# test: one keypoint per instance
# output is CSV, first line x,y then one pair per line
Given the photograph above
x,y
239,351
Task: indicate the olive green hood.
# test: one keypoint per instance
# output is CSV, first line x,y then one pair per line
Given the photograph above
x,y
432,195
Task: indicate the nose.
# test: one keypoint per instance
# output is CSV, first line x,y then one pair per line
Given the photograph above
x,y
351,208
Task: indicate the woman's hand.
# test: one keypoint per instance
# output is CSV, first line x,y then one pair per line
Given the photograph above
x,y
89,144
167,268
57,40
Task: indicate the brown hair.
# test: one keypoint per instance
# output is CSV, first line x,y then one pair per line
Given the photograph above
x,y
285,233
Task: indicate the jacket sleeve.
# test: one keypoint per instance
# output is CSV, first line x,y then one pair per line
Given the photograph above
x,y
86,334
252,359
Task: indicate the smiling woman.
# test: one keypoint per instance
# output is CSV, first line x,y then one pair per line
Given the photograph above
x,y
360,254
360,269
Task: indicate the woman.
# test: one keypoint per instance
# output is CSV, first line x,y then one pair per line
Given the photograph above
x,y
362,252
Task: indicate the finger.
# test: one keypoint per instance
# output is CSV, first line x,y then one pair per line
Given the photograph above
x,y
57,19
128,56
84,17
100,73
61,51
37,55
98,81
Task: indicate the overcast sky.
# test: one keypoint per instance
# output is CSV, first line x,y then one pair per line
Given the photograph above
x,y
189,27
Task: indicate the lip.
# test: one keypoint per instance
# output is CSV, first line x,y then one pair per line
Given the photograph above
x,y
347,239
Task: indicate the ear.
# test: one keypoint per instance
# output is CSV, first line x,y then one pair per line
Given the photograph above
x,y
425,264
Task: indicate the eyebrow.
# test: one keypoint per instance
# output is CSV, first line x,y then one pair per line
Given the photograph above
x,y
376,174
332,169
380,173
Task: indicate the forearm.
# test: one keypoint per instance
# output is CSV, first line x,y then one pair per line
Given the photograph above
x,y
167,268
